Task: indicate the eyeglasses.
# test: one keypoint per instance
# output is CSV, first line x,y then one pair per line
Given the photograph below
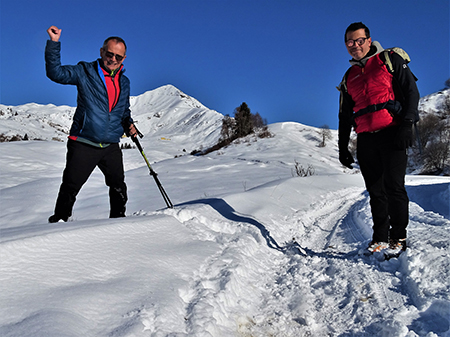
x,y
360,42
110,55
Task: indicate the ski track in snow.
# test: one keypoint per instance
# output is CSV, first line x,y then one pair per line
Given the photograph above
x,y
308,268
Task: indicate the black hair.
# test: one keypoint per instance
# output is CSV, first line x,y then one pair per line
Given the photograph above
x,y
117,39
355,26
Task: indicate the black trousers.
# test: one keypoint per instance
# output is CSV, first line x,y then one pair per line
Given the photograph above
x,y
383,168
81,160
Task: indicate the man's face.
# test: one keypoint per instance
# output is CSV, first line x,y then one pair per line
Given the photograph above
x,y
356,50
111,53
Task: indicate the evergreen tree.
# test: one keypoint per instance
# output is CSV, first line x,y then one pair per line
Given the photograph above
x,y
243,119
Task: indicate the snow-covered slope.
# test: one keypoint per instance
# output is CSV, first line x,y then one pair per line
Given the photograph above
x,y
169,115
250,249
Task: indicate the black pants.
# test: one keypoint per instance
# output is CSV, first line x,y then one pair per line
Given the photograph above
x,y
383,168
81,160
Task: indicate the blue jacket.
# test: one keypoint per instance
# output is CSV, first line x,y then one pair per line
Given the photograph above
x,y
92,119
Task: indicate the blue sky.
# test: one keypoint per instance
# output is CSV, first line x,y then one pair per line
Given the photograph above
x,y
283,58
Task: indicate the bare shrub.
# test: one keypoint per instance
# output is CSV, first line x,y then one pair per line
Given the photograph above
x,y
434,133
301,171
264,132
325,134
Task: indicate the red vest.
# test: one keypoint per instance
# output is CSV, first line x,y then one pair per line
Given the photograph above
x,y
370,85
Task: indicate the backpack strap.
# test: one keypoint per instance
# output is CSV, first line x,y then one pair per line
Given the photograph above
x,y
387,62
394,107
343,85
387,59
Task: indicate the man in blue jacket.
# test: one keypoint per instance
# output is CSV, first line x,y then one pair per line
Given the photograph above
x,y
101,118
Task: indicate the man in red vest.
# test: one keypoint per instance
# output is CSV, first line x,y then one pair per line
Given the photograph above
x,y
101,118
381,106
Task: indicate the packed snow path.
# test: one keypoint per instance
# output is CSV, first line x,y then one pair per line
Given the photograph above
x,y
316,285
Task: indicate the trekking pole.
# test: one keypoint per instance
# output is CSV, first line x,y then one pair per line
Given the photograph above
x,y
152,172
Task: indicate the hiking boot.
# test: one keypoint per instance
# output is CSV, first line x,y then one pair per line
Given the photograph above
x,y
375,246
397,244
56,218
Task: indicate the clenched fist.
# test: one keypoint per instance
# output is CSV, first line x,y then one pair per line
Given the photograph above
x,y
54,33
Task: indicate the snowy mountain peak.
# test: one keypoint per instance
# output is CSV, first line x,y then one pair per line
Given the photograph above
x,y
169,113
167,93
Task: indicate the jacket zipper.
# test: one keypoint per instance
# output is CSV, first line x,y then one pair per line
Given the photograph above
x,y
116,96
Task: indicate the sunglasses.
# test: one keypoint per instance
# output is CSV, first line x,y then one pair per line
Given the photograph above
x,y
110,55
360,42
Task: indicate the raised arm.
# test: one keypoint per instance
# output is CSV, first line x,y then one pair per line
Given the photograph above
x,y
54,33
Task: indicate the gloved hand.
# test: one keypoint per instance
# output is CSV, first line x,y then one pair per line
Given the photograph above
x,y
403,138
346,159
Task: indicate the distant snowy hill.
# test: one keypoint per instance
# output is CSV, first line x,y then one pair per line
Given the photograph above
x,y
164,113
35,121
435,103
172,122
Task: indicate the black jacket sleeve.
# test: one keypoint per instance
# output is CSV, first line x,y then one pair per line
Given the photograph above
x,y
346,105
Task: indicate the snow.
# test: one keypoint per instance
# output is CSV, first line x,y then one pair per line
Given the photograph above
x,y
250,249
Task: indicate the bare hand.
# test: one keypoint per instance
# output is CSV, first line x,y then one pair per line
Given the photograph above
x,y
54,33
133,132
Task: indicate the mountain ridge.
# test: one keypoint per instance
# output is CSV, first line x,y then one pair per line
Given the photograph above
x,y
165,112
162,112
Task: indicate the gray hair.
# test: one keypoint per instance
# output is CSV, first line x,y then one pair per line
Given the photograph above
x,y
117,39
